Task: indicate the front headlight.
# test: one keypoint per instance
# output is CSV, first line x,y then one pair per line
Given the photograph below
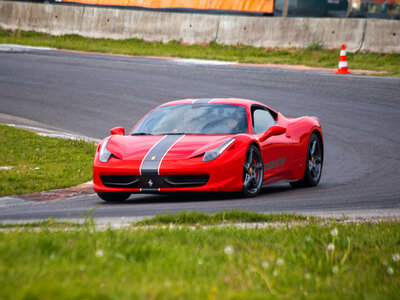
x,y
214,153
104,155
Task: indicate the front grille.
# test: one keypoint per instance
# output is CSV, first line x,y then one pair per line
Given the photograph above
x,y
154,181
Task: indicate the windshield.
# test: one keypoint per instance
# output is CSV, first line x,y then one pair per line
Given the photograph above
x,y
195,119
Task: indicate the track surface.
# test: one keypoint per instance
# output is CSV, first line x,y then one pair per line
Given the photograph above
x,y
88,94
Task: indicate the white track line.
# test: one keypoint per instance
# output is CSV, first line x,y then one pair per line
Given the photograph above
x,y
203,62
56,134
21,48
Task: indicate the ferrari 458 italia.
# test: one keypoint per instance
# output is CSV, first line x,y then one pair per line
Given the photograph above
x,y
224,145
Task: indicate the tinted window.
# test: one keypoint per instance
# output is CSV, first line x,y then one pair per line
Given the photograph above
x,y
195,119
262,120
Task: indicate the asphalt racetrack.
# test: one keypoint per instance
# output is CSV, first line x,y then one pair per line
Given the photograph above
x,y
90,93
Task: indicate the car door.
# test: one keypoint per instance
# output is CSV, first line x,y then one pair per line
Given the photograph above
x,y
275,149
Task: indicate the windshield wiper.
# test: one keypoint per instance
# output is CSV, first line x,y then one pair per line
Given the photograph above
x,y
162,133
173,133
141,133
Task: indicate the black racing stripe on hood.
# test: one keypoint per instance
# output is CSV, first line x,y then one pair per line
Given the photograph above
x,y
153,158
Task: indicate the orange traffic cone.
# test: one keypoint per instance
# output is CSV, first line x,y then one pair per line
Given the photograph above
x,y
342,67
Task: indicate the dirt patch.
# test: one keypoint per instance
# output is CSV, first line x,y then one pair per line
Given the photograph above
x,y
55,195
307,68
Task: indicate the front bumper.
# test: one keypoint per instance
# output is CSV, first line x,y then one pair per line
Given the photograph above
x,y
223,175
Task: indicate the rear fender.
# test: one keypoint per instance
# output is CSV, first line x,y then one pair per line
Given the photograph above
x,y
299,131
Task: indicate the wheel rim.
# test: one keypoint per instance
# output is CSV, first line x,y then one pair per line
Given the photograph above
x,y
315,160
252,171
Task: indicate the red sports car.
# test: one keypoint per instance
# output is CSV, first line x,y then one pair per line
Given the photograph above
x,y
224,145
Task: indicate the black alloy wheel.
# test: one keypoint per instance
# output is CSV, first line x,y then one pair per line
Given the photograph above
x,y
313,170
253,172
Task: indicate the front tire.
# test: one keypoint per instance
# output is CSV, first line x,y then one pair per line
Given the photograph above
x,y
253,172
114,196
314,160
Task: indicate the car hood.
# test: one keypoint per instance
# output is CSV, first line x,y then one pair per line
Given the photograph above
x,y
184,147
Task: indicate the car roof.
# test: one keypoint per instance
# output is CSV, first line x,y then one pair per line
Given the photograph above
x,y
234,101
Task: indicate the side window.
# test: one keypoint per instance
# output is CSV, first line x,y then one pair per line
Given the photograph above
x,y
262,120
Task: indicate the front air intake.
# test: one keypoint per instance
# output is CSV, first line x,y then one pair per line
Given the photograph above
x,y
154,181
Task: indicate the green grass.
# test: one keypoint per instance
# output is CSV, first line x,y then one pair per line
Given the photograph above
x,y
315,55
217,263
41,163
49,223
234,216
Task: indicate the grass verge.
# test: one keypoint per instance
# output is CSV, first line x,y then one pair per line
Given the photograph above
x,y
50,223
337,261
32,163
314,55
225,217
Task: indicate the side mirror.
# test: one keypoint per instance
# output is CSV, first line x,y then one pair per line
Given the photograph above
x,y
272,131
118,131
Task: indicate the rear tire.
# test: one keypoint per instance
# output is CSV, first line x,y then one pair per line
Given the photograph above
x,y
253,172
114,196
314,160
